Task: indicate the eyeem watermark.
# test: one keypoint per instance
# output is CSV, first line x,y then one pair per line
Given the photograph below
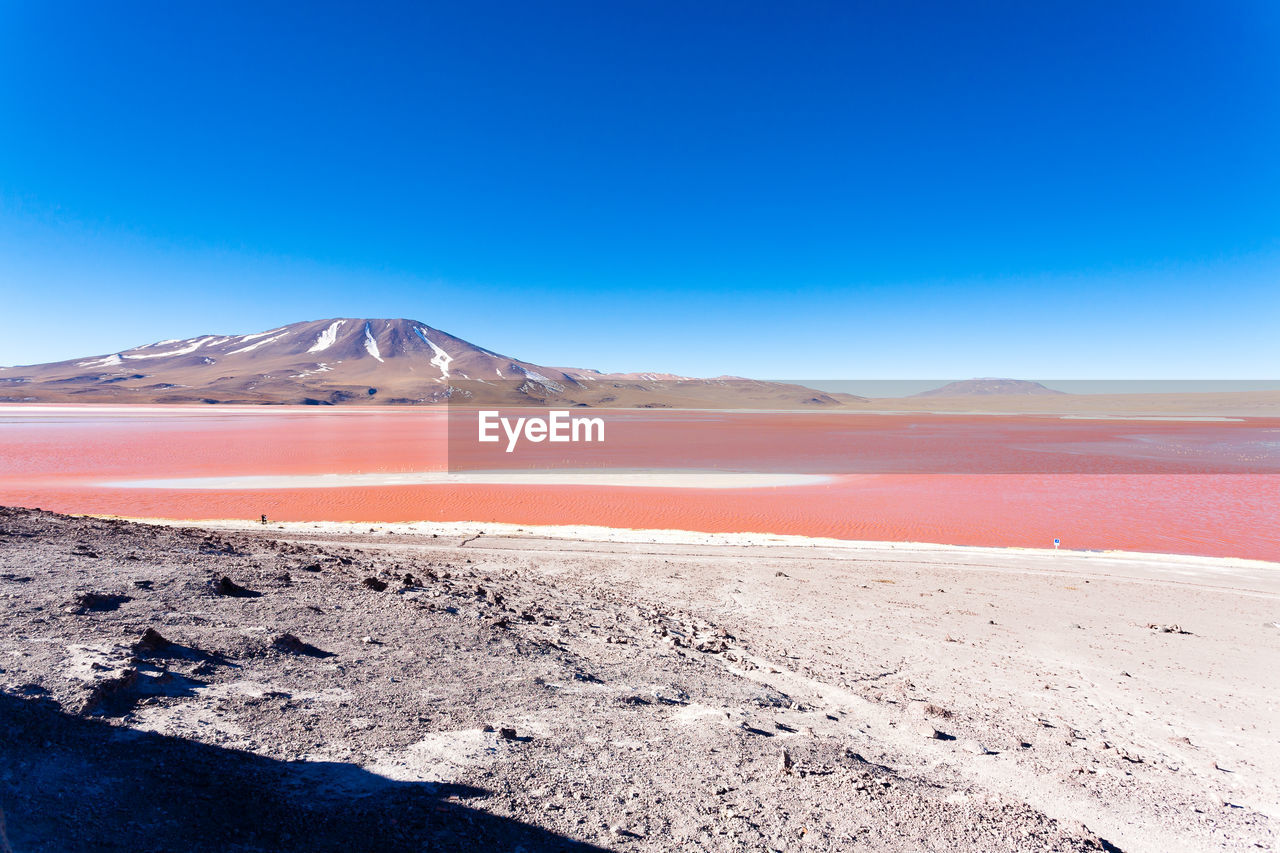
x,y
558,426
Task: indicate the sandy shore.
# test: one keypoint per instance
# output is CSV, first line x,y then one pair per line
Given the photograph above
x,y
638,478
660,690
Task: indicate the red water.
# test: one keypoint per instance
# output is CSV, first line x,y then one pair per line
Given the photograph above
x,y
1210,488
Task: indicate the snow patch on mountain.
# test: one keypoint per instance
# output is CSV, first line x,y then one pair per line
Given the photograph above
x,y
252,347
370,345
327,337
544,381
441,359
108,361
532,374
319,368
189,348
256,335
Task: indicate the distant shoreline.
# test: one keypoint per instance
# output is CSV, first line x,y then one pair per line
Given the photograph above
x,y
588,534
269,408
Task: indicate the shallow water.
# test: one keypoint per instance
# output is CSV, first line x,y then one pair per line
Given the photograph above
x,y
1179,487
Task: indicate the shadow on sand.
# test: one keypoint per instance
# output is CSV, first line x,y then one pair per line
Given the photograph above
x,y
70,783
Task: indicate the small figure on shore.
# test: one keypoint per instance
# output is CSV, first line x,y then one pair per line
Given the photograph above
x,y
264,518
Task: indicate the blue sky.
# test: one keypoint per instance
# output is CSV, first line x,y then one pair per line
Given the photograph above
x,y
819,190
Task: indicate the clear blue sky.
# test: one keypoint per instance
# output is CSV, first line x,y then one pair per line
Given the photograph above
x,y
823,190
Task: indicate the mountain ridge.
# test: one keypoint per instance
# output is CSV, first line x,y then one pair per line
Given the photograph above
x,y
989,386
344,360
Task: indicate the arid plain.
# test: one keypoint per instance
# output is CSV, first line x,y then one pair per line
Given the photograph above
x,y
454,686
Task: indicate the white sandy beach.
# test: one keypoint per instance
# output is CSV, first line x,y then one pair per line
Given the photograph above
x,y
637,478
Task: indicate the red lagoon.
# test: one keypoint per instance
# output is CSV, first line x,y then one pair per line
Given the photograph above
x,y
1195,487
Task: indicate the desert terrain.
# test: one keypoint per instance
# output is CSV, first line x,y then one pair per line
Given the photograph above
x,y
226,686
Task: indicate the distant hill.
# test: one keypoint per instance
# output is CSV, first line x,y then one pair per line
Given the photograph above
x,y
988,388
370,361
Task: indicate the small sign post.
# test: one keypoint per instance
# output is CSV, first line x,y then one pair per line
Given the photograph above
x,y
1056,543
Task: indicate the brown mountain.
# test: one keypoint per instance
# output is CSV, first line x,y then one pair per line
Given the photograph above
x,y
989,387
336,361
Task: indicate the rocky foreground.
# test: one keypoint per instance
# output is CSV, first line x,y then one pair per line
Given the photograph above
x,y
169,688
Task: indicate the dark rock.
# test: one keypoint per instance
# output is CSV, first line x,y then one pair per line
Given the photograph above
x,y
109,694
226,586
374,584
290,644
152,641
85,602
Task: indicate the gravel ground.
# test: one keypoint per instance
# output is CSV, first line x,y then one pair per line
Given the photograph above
x,y
172,688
